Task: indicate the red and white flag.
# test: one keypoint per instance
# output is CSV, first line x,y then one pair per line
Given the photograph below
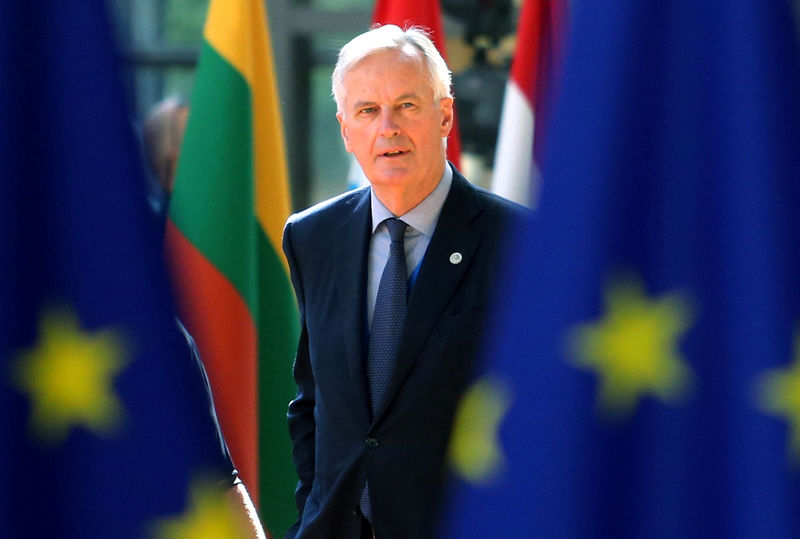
x,y
516,175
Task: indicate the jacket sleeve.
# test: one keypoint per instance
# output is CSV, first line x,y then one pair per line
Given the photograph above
x,y
302,427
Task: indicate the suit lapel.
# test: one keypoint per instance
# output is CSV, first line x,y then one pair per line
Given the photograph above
x,y
438,277
349,293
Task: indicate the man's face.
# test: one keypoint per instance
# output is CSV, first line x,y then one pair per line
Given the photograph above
x,y
392,125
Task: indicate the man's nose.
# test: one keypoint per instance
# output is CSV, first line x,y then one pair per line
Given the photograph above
x,y
389,126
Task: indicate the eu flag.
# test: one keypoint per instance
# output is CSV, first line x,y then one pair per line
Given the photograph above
x,y
643,377
104,420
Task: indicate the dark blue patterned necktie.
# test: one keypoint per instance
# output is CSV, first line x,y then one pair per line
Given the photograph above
x,y
388,316
387,323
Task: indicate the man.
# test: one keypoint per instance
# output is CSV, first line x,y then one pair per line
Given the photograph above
x,y
392,311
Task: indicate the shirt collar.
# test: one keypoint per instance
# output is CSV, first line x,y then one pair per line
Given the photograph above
x,y
423,216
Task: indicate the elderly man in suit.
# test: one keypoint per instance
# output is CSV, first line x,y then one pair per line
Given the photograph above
x,y
393,283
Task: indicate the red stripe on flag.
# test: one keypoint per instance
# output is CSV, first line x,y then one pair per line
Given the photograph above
x,y
218,319
538,46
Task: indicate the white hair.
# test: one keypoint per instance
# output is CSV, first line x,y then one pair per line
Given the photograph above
x,y
413,40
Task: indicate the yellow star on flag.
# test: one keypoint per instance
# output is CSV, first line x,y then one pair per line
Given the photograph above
x,y
779,394
633,348
210,515
475,451
68,377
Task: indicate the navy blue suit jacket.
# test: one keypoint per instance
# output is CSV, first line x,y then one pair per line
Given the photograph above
x,y
336,442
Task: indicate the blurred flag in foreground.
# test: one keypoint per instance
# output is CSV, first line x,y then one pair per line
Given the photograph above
x,y
104,421
530,84
228,208
643,379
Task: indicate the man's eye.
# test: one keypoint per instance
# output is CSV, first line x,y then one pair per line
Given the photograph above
x,y
367,110
406,105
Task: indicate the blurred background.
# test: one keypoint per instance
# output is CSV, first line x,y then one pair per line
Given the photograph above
x,y
160,40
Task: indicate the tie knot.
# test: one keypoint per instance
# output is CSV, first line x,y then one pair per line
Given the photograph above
x,y
396,228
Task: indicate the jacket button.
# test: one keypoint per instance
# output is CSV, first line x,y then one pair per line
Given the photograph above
x,y
354,510
372,443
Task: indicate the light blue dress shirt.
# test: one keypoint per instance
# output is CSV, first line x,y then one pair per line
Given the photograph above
x,y
421,221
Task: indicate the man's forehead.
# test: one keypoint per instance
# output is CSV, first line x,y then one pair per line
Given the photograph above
x,y
363,86
363,100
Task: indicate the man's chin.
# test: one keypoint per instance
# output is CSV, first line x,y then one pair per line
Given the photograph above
x,y
391,176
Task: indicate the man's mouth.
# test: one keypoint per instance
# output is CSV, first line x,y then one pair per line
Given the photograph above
x,y
394,153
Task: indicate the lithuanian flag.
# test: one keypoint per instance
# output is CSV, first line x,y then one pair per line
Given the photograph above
x,y
226,217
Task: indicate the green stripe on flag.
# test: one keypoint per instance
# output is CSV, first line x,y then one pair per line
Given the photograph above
x,y
278,329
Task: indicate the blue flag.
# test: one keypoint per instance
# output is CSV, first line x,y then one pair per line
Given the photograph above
x,y
105,425
642,379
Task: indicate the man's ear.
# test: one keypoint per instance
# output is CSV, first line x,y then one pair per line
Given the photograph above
x,y
446,106
343,130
